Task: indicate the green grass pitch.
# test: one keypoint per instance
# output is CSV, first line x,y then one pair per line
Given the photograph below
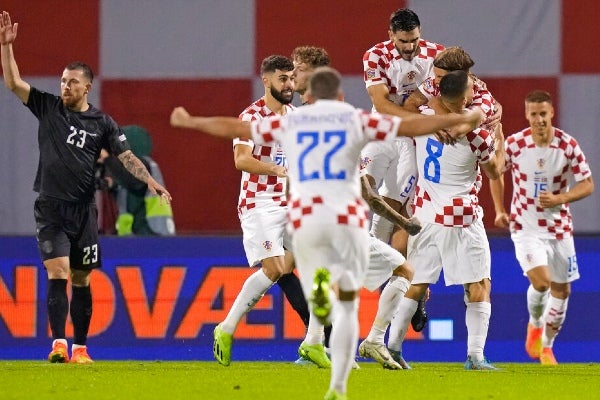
x,y
279,380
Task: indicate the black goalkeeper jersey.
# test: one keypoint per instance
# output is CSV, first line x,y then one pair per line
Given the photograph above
x,y
70,143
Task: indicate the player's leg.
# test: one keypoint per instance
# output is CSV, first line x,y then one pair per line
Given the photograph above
x,y
467,261
537,300
54,248
399,242
563,270
58,307
532,255
382,260
81,314
401,321
477,318
85,256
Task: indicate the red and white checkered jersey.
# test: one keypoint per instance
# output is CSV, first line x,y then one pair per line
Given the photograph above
x,y
322,142
449,179
261,190
481,95
383,63
536,169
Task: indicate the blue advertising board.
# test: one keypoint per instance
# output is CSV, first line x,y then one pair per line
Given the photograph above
x,y
160,298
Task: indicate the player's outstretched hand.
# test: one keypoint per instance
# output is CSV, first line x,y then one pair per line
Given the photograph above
x,y
179,116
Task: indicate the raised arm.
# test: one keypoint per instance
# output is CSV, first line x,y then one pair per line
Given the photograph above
x,y
223,127
12,78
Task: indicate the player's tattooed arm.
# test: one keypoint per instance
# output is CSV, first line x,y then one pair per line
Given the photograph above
x,y
380,207
134,165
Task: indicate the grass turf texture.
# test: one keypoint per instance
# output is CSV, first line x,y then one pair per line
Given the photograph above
x,y
278,380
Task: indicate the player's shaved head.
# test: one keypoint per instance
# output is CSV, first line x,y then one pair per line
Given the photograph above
x,y
325,83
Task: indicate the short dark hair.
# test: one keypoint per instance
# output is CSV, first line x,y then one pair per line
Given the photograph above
x,y
311,55
276,62
454,84
78,65
325,83
453,58
404,20
538,96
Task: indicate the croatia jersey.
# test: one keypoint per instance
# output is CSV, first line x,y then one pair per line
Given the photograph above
x,y
383,64
322,142
536,169
261,190
448,184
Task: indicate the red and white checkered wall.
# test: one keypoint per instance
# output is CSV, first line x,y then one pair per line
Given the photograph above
x,y
150,56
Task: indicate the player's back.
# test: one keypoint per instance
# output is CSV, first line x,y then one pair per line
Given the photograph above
x,y
323,143
447,186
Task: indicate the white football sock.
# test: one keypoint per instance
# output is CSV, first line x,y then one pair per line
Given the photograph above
x,y
253,290
553,318
399,325
315,333
536,304
343,343
389,299
477,318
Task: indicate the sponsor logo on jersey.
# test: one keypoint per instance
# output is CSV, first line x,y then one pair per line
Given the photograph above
x,y
268,245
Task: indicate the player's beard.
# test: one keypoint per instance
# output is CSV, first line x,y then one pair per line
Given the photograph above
x,y
281,97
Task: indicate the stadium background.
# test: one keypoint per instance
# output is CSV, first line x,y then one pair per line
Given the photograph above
x,y
150,56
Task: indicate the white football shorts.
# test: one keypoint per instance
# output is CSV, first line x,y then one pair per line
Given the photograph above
x,y
462,252
342,249
383,260
394,167
558,255
264,232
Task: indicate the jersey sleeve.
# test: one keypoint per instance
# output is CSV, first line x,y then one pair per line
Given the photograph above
x,y
39,103
373,71
483,98
244,141
116,139
579,165
428,88
379,126
482,144
267,130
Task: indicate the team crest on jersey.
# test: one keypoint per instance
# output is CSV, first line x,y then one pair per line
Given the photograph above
x,y
541,162
529,258
364,161
268,245
371,73
411,75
